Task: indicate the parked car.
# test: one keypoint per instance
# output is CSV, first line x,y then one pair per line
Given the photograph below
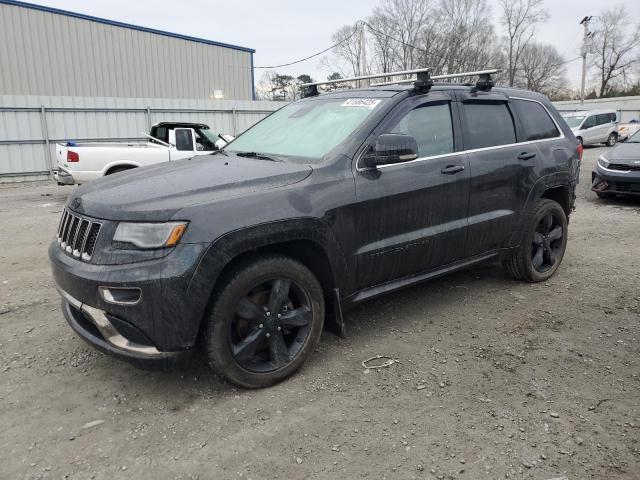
x,y
594,126
625,130
617,171
79,163
328,202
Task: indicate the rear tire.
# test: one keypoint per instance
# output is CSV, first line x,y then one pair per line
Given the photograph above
x,y
249,344
542,244
611,140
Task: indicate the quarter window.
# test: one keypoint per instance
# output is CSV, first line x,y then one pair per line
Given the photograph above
x,y
535,120
488,125
431,126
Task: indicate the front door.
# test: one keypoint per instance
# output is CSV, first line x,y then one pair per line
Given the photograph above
x,y
411,216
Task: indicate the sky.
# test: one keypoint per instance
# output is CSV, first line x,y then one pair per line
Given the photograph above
x,y
282,31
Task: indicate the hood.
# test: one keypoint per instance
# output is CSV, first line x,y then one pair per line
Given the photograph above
x,y
624,153
158,192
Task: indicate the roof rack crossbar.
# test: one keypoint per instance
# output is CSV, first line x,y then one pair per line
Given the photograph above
x,y
484,74
367,77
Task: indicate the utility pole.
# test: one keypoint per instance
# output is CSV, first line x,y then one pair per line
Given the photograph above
x,y
363,55
585,23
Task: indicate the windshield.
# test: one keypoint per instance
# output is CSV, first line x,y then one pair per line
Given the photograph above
x,y
635,138
307,129
574,121
209,135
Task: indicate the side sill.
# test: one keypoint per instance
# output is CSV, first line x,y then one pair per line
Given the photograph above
x,y
404,282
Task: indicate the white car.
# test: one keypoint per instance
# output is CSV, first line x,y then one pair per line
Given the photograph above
x,y
594,126
626,130
82,162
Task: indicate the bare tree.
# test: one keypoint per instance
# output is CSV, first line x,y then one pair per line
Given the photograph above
x,y
615,44
348,47
408,18
519,18
542,69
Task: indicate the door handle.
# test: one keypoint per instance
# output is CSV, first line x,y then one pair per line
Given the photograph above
x,y
451,169
526,156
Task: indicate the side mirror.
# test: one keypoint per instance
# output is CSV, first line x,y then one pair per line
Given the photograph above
x,y
392,148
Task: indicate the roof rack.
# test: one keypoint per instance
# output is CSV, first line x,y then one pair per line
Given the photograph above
x,y
312,88
422,82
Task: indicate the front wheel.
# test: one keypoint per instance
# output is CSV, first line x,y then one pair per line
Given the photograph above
x,y
265,321
543,244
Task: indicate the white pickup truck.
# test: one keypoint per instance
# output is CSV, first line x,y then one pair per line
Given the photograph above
x,y
82,162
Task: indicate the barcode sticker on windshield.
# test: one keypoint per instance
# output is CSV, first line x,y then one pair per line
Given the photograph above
x,y
361,102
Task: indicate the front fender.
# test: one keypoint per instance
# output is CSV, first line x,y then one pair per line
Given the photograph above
x,y
230,245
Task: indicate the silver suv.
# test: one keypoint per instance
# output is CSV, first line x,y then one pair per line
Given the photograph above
x,y
594,126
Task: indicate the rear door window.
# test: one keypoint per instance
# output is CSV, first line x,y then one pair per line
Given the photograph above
x,y
602,119
488,125
535,120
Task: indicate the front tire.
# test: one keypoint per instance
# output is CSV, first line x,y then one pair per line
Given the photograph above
x,y
542,244
265,321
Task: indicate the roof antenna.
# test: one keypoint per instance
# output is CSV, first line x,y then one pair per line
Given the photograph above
x,y
423,82
484,83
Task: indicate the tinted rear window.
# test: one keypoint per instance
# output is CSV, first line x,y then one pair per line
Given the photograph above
x,y
488,125
536,122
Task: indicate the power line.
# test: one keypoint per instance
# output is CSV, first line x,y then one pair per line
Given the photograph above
x,y
355,30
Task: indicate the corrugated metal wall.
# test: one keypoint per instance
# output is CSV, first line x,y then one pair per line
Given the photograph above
x,y
45,53
31,125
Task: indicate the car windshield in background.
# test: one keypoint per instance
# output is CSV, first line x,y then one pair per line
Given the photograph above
x,y
308,129
209,135
635,138
574,121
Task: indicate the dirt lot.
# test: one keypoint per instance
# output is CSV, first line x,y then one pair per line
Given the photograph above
x,y
496,379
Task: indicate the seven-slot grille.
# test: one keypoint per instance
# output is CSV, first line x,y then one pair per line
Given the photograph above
x,y
77,236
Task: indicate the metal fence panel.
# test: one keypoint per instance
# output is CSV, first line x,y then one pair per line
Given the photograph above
x,y
28,124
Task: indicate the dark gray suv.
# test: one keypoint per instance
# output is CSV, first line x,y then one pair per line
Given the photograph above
x,y
327,202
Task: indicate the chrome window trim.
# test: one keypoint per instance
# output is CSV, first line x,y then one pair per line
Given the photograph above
x,y
472,150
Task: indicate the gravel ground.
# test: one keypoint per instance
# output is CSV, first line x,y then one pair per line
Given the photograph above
x,y
495,378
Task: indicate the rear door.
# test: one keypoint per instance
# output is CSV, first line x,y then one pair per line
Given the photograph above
x,y
498,170
411,216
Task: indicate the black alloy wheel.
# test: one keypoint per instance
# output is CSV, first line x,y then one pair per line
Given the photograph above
x,y
271,325
265,320
547,243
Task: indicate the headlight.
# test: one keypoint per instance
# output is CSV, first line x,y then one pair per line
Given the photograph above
x,y
150,235
602,160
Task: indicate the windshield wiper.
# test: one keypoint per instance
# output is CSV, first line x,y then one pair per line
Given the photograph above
x,y
257,155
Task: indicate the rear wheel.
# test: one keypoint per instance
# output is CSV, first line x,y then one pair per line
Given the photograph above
x,y
611,140
542,245
265,322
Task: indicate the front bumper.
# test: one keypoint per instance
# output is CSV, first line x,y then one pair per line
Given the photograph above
x,y
94,327
616,182
166,318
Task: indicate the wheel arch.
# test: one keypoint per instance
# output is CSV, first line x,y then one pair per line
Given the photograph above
x,y
308,241
119,164
557,187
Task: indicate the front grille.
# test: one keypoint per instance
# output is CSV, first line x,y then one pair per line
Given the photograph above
x,y
624,168
624,187
77,235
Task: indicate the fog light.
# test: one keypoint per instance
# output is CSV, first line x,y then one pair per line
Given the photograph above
x,y
600,187
120,295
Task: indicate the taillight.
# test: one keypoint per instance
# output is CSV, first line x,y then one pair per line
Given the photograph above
x,y
72,156
579,150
